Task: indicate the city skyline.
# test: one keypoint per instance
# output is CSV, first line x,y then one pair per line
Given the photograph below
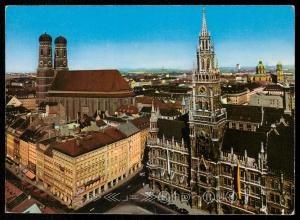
x,y
164,39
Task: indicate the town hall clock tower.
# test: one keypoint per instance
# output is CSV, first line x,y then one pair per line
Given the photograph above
x,y
207,121
207,117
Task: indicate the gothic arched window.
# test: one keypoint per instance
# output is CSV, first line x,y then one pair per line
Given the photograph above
x,y
206,105
202,64
207,64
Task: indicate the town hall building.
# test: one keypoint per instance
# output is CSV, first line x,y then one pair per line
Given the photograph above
x,y
229,158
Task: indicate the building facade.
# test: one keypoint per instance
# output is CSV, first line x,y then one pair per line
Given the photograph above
x,y
229,159
76,166
79,170
88,91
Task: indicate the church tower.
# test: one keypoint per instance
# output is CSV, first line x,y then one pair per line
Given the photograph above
x,y
60,55
207,117
45,68
260,68
279,72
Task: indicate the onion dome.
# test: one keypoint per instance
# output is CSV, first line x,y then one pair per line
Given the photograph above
x,y
260,64
60,40
45,37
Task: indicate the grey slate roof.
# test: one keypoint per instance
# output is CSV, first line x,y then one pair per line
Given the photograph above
x,y
173,128
164,112
244,113
243,140
281,149
128,129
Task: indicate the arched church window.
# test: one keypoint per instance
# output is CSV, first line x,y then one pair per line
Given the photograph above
x,y
207,64
206,105
65,54
49,51
202,64
41,52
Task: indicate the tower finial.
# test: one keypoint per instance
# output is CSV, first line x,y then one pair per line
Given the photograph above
x,y
204,26
152,110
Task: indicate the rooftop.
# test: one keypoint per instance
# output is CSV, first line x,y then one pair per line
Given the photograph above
x,y
244,113
92,141
173,128
163,111
243,140
128,129
129,109
98,83
141,122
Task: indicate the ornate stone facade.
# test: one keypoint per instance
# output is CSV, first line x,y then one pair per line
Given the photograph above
x,y
222,157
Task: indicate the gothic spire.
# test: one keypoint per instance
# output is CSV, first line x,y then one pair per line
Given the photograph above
x,y
204,26
152,110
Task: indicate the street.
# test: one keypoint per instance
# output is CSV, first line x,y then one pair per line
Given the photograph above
x,y
126,199
129,198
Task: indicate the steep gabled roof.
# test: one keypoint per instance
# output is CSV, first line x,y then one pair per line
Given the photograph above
x,y
99,83
163,111
128,129
141,122
173,128
243,140
244,113
281,148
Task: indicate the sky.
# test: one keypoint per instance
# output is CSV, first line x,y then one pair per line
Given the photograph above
x,y
116,37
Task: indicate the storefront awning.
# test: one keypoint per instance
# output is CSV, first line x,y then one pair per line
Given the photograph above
x,y
30,175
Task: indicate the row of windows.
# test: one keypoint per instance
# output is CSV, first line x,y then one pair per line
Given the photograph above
x,y
274,198
240,125
173,156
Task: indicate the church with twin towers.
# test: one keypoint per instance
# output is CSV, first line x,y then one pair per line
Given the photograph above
x,y
45,73
77,92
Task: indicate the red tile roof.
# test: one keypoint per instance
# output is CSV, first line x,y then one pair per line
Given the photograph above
x,y
141,122
92,141
129,109
96,83
11,191
145,100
